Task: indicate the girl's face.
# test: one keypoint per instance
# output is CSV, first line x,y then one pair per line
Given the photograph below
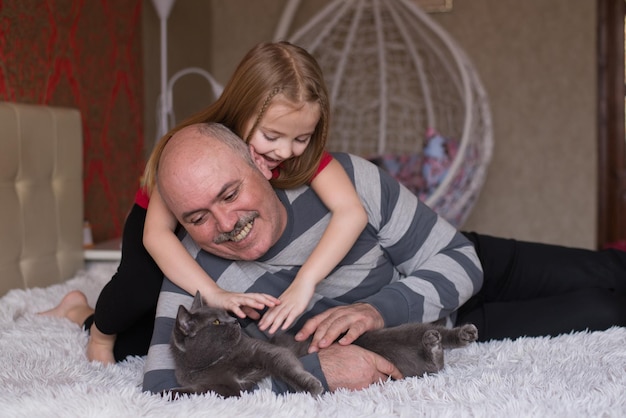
x,y
284,131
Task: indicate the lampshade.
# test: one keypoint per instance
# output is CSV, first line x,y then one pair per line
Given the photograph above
x,y
163,7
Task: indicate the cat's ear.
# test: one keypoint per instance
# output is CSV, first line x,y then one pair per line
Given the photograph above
x,y
183,320
197,301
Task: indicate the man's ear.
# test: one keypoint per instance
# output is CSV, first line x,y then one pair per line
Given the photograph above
x,y
260,162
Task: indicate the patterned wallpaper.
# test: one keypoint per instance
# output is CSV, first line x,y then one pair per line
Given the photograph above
x,y
84,54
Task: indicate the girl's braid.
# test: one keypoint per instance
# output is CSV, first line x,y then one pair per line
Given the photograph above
x,y
266,104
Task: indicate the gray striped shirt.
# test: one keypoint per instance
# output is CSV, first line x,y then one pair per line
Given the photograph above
x,y
409,263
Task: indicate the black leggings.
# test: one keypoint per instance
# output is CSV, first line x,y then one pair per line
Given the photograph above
x,y
533,289
127,304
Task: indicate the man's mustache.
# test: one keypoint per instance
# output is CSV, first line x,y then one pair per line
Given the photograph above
x,y
241,223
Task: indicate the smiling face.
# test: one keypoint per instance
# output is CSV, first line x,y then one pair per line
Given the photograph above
x,y
285,130
224,203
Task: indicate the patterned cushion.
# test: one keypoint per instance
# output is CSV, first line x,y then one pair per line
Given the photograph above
x,y
423,172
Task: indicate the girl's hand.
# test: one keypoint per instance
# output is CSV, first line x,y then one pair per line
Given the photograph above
x,y
241,304
292,303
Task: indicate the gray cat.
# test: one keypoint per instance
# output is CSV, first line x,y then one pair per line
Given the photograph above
x,y
211,353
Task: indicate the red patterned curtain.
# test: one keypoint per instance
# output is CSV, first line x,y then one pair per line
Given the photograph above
x,y
84,54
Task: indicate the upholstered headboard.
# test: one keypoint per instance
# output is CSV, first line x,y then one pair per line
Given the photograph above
x,y
41,195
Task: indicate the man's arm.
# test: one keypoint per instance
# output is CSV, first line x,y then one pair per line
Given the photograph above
x,y
438,268
353,367
349,367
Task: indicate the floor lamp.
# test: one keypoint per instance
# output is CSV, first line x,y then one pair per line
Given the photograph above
x,y
165,111
163,9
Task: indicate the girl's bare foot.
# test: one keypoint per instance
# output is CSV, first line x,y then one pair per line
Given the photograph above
x,y
73,306
100,346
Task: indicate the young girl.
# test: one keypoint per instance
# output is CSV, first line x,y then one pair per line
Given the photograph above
x,y
287,126
277,102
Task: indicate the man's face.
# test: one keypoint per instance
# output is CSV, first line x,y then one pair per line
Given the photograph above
x,y
227,206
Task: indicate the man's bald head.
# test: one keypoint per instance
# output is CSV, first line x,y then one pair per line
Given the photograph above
x,y
209,181
201,142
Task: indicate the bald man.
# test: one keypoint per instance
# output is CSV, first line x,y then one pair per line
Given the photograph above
x,y
409,265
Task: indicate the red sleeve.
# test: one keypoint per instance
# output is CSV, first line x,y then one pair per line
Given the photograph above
x,y
142,198
326,159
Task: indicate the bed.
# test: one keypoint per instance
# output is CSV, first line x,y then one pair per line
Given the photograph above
x,y
44,370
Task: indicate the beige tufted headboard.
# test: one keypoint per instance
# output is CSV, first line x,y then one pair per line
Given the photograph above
x,y
41,195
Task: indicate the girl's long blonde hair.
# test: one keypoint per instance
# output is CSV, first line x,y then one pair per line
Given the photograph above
x,y
267,70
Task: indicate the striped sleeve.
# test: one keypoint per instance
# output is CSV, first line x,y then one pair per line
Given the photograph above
x,y
438,268
159,367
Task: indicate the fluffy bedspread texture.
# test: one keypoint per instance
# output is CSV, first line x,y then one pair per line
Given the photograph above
x,y
44,373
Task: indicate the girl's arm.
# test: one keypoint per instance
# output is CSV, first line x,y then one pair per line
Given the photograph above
x,y
334,188
180,267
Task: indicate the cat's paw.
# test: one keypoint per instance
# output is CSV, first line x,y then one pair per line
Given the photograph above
x,y
432,356
314,386
468,333
432,339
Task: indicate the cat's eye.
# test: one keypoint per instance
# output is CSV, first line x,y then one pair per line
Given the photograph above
x,y
216,322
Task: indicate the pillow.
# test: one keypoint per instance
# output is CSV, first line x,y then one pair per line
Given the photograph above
x,y
407,169
423,172
438,154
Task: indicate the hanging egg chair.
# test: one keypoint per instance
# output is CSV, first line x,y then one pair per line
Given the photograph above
x,y
402,94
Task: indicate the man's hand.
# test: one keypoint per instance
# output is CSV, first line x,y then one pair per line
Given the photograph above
x,y
354,368
353,320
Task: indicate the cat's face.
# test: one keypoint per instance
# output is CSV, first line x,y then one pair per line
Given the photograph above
x,y
204,329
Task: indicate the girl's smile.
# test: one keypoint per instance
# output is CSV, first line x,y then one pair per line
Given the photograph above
x,y
284,131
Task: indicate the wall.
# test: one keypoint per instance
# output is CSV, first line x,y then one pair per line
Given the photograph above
x,y
536,59
85,55
538,64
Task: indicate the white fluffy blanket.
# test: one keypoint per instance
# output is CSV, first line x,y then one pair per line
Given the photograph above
x,y
44,373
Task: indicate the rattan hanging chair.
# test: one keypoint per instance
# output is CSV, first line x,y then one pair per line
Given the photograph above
x,y
403,94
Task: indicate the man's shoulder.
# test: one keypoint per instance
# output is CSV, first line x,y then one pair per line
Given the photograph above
x,y
355,164
345,158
